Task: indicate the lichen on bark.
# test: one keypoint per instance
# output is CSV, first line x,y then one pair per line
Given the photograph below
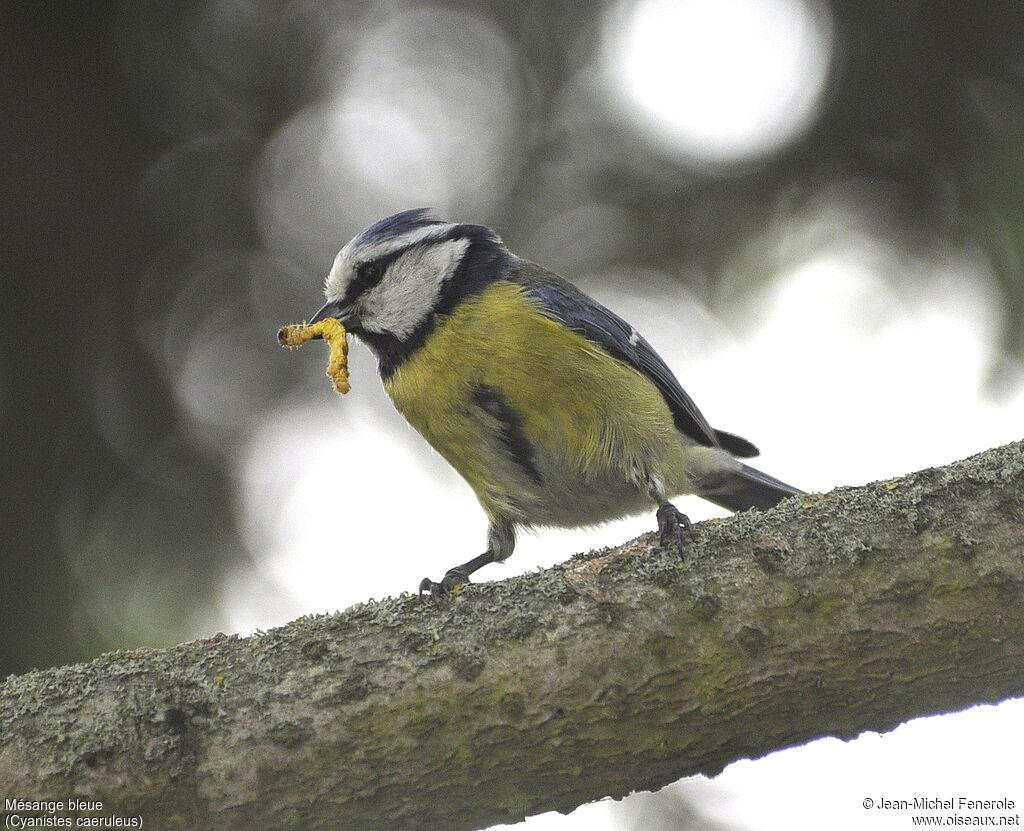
x,y
621,670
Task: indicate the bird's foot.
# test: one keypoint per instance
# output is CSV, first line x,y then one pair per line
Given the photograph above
x,y
673,528
453,582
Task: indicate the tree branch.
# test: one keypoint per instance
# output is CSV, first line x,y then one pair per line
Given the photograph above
x,y
621,670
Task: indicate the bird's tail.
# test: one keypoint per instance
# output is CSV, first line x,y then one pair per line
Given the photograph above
x,y
747,487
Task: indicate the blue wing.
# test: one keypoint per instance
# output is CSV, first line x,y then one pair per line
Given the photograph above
x,y
562,301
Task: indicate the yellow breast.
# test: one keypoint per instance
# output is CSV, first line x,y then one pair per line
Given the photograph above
x,y
589,418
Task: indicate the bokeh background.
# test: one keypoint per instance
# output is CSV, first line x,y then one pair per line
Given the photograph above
x,y
813,209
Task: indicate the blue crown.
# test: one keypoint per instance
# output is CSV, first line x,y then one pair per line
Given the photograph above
x,y
396,225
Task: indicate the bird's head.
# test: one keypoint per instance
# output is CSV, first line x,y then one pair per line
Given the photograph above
x,y
391,280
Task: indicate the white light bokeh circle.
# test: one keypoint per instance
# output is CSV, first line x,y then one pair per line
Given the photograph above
x,y
340,507
424,109
721,81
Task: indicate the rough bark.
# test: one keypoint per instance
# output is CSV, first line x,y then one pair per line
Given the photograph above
x,y
621,670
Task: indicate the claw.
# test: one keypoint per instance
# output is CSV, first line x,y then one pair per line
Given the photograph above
x,y
673,527
453,582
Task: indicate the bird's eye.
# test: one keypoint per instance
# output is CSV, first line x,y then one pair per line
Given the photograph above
x,y
370,273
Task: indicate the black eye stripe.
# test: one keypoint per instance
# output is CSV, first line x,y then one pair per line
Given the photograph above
x,y
368,275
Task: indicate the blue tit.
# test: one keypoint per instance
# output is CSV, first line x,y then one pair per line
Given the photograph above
x,y
555,410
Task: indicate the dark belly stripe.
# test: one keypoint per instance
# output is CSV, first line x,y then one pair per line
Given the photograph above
x,y
510,429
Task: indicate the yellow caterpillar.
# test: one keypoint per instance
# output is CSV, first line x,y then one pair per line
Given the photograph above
x,y
330,330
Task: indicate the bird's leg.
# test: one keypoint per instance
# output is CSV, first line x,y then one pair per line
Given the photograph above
x,y
673,524
456,576
501,540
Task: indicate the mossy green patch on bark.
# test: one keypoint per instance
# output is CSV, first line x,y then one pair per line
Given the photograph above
x,y
622,669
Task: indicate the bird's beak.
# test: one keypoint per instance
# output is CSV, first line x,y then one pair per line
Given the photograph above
x,y
333,309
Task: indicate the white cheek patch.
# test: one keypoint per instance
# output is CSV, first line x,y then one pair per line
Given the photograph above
x,y
410,289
